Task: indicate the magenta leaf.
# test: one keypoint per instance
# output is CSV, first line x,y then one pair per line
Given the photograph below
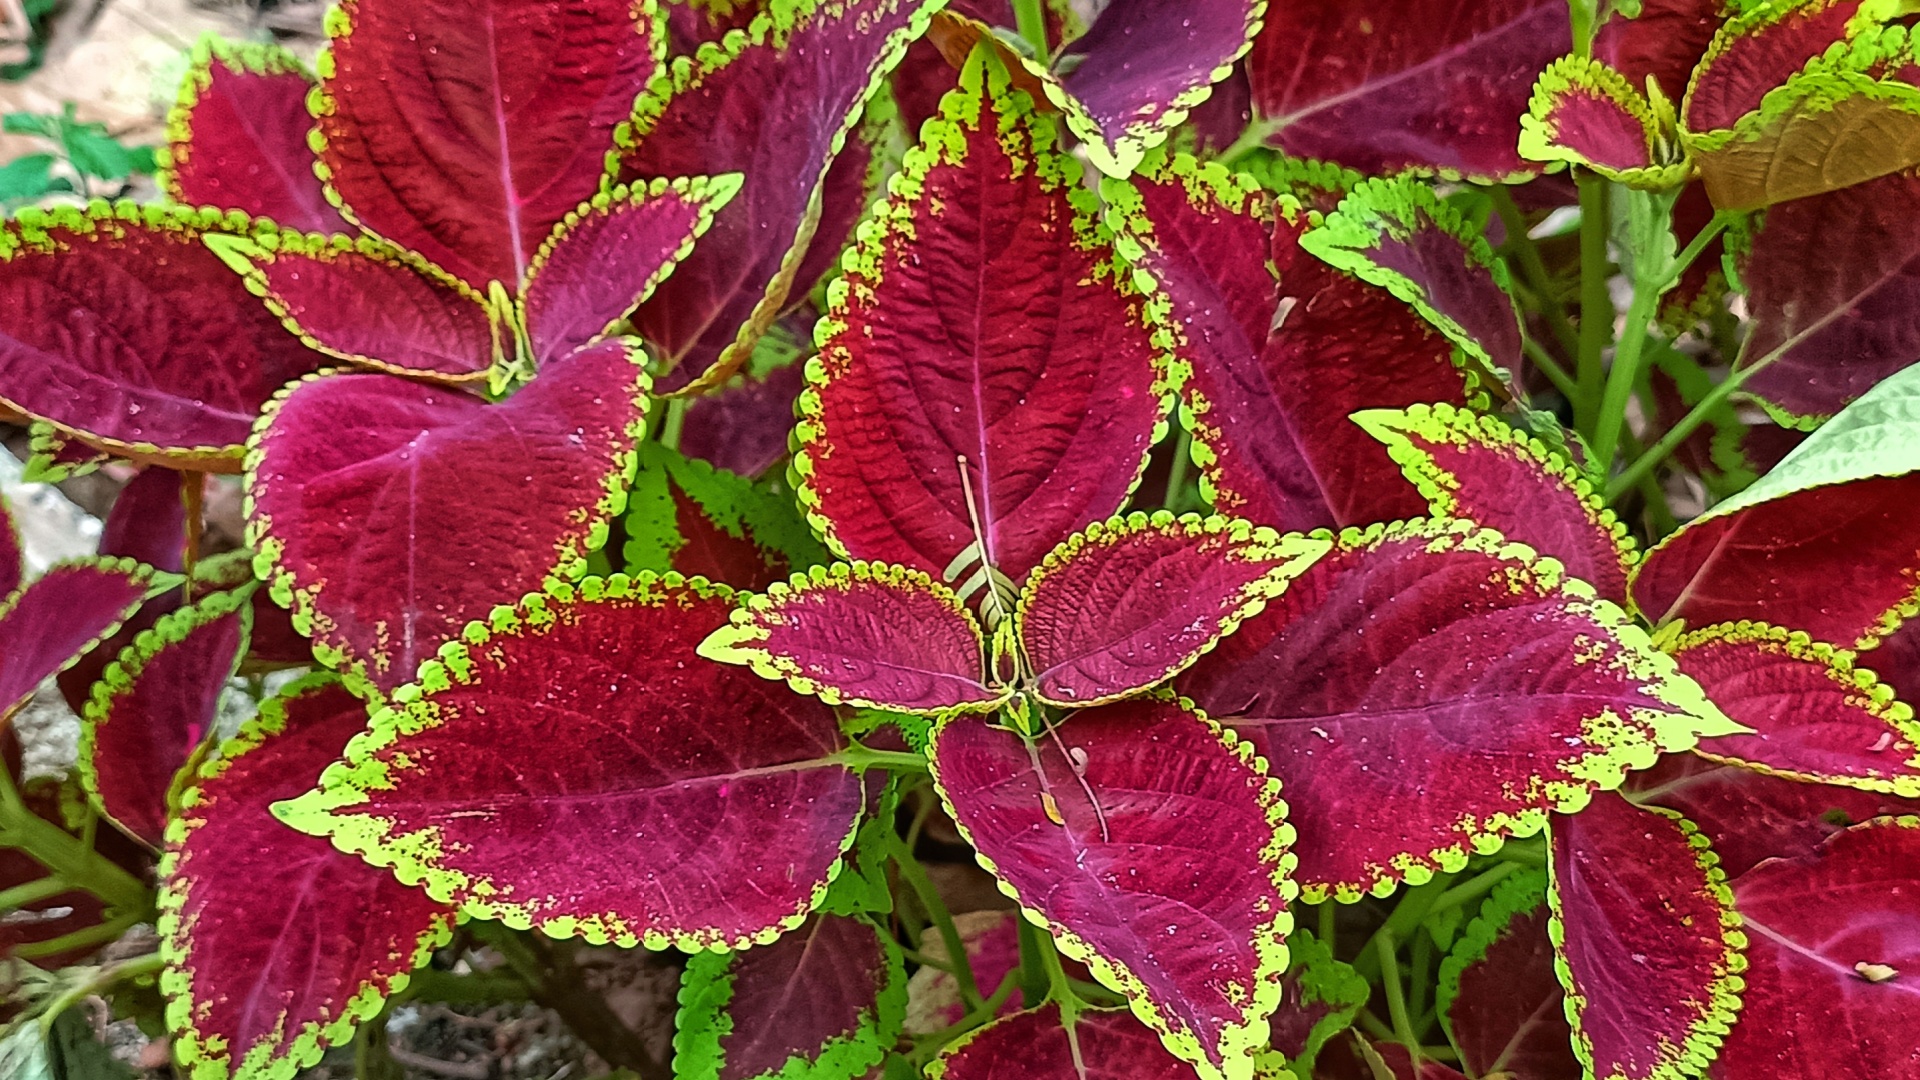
x,y
1832,945
1383,85
152,708
744,428
575,767
277,946
991,940
48,623
1481,468
13,558
1171,883
793,86
1665,40
824,1001
1639,901
1268,406
237,138
866,634
1354,676
1751,816
1319,998
690,517
388,514
937,378
1586,113
1103,1044
1498,995
148,521
1125,605
1814,715
123,329
466,132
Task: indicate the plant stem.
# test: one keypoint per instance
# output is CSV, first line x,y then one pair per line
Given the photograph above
x,y
928,1045
1030,18
1596,303
1384,948
1474,888
936,908
66,856
862,758
1533,268
553,981
1413,907
1330,923
1679,432
45,888
110,975
672,424
1422,961
1177,473
1548,366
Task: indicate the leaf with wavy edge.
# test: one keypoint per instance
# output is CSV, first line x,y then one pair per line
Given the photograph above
x,y
793,86
1274,374
1439,649
1482,468
1639,900
1586,113
153,707
1664,41
466,132
1756,51
1193,933
1817,926
1384,85
55,457
824,1002
388,514
1843,506
237,137
148,520
865,634
1398,234
1751,816
711,813
1125,605
1498,995
124,331
688,516
50,622
1104,1044
1814,714
1319,999
276,946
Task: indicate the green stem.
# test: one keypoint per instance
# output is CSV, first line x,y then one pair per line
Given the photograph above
x,y
1030,18
672,424
1596,303
1413,907
65,855
1330,923
1679,432
1422,961
110,975
1533,268
1548,366
862,758
1059,987
1177,473
928,1045
1385,949
936,908
1525,852
1474,888
89,938
1253,138
45,888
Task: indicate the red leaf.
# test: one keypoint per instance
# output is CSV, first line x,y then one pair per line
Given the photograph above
x,y
466,132
152,708
745,428
1639,901
1815,715
237,138
13,559
1389,84
1125,605
47,624
1318,1000
1103,1044
1481,468
148,521
1434,648
1172,887
933,349
577,768
791,88
1756,53
1586,113
123,328
392,513
278,947
1499,996
1666,40
866,634
1821,930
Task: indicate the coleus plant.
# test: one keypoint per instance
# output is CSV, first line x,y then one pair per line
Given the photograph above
x,y
1434,744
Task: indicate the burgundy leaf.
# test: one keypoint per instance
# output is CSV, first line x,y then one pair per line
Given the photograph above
x,y
148,521
704,522
1436,648
1639,901
237,138
1319,998
745,428
1499,996
465,132
393,513
854,181
1833,942
1142,66
576,768
1218,122
828,997
691,23
1479,467
1170,883
1815,715
792,88
48,623
1588,114
1103,1044
121,327
277,946
1666,40
152,708
366,301
866,634
938,375
1125,605
13,558
991,940
1269,407
1382,85
1751,816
